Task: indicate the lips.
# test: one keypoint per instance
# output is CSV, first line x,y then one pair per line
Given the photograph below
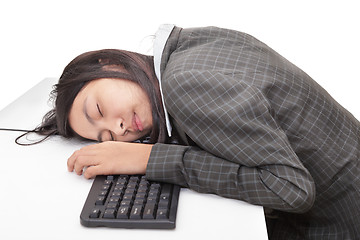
x,y
136,123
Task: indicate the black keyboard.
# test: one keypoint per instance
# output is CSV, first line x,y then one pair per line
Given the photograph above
x,y
130,201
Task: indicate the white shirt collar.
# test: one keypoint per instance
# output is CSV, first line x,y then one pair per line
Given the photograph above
x,y
161,37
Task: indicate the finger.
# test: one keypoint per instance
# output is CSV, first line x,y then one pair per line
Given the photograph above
x,y
84,151
71,161
83,162
92,171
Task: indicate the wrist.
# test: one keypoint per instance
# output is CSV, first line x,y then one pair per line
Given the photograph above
x,y
145,155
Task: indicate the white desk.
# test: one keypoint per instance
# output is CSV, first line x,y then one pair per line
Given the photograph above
x,y
41,200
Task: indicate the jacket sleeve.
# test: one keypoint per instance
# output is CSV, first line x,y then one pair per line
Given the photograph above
x,y
241,151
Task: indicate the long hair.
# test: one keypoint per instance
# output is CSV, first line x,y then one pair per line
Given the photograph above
x,y
107,63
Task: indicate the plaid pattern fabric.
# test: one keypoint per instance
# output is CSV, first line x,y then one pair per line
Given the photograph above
x,y
264,132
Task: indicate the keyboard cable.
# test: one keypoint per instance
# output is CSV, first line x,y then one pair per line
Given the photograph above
x,y
25,132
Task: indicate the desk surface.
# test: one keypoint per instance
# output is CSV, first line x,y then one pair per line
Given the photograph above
x,y
41,200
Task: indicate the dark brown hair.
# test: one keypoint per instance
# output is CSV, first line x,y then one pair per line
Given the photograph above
x,y
107,63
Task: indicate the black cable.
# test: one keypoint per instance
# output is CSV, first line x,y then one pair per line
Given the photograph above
x,y
25,132
15,130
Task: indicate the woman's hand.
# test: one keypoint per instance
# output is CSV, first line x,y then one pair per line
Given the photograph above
x,y
110,158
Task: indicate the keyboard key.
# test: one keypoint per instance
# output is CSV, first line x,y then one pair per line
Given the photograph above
x,y
100,200
136,212
128,197
153,194
103,193
134,179
149,211
142,190
155,186
123,212
131,186
129,191
107,182
164,204
162,214
117,194
125,203
110,177
119,189
105,187
109,213
144,185
95,213
114,200
112,205
164,197
139,201
121,181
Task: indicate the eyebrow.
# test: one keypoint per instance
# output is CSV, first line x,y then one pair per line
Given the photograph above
x,y
99,137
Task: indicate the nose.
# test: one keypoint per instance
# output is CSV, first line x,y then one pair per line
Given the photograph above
x,y
119,127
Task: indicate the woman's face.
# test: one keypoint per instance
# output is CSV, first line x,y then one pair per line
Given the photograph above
x,y
111,109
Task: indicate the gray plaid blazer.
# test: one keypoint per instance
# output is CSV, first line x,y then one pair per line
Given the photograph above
x,y
260,130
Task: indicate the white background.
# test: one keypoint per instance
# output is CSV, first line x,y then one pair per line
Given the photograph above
x,y
38,38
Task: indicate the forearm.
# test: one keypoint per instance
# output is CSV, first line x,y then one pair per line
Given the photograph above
x,y
110,158
278,187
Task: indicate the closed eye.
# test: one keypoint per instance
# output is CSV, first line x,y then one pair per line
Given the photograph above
x,y
98,108
111,136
